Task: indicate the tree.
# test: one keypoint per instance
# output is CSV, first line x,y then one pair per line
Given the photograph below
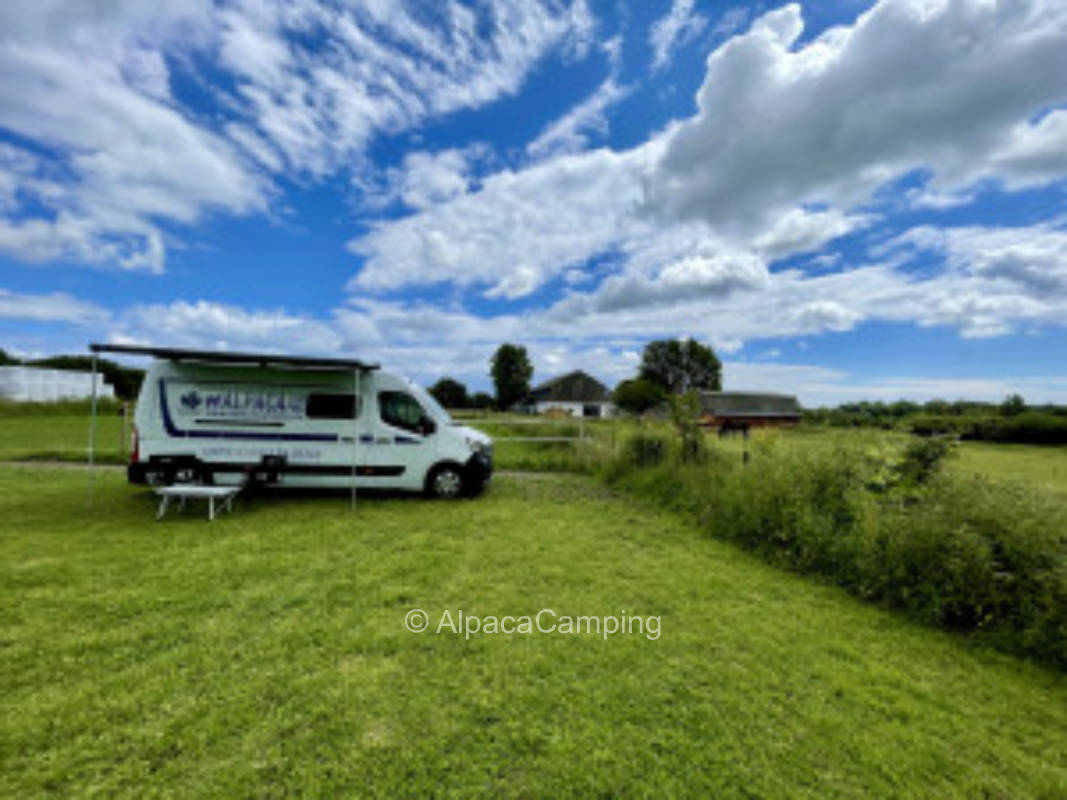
x,y
677,366
6,360
511,371
1013,404
481,400
638,395
450,393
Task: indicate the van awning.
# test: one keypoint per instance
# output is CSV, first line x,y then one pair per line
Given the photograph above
x,y
231,357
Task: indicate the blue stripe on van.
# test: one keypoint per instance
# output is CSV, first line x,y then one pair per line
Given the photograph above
x,y
174,430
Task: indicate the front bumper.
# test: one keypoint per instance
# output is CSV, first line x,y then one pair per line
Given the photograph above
x,y
479,470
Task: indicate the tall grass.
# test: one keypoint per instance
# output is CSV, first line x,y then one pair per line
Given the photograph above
x,y
881,520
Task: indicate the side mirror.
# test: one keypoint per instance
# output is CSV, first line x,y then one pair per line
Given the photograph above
x,y
427,426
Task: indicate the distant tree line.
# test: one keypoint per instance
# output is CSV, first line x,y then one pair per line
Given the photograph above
x,y
669,367
453,394
125,380
1012,420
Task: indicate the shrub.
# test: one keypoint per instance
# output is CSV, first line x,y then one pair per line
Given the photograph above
x,y
685,416
922,459
882,521
644,449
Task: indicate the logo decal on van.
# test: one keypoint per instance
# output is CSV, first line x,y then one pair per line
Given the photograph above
x,y
191,401
237,402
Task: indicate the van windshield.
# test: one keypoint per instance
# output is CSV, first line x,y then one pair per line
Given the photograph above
x,y
431,406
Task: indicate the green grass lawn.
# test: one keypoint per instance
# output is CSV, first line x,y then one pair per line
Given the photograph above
x,y
264,655
60,437
1043,467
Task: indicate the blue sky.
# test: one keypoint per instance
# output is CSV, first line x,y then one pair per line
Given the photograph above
x,y
847,200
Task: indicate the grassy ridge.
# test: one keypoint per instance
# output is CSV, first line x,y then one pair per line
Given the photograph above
x,y
264,655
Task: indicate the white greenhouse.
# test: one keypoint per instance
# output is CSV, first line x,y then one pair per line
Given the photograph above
x,y
46,385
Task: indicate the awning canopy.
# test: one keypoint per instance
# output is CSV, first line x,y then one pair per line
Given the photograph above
x,y
231,357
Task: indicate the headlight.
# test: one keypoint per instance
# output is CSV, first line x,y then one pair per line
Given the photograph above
x,y
476,445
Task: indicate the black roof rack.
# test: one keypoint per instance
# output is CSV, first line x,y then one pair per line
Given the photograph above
x,y
230,357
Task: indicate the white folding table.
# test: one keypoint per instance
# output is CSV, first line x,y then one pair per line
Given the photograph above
x,y
223,494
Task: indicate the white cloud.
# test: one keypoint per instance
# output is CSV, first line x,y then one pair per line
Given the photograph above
x,y
53,307
1032,259
313,83
1035,153
216,325
94,94
572,132
825,315
800,231
677,27
426,341
929,84
789,140
731,21
517,231
318,81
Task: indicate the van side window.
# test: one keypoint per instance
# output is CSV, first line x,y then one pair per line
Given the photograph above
x,y
401,410
331,406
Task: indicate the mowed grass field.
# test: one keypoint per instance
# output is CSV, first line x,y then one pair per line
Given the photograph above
x,y
61,437
264,655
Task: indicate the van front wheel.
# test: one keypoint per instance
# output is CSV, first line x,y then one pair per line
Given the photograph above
x,y
446,482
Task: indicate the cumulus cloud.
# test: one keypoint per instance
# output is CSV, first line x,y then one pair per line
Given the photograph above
x,y
789,140
1031,258
424,178
944,86
520,229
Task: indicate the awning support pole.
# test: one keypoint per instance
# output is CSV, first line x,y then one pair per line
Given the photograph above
x,y
356,410
92,434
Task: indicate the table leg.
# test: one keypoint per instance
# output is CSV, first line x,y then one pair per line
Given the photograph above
x,y
163,506
211,509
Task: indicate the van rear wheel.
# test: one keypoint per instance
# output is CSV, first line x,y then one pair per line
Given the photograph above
x,y
446,482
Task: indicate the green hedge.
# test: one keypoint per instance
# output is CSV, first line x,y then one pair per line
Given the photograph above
x,y
964,555
1029,427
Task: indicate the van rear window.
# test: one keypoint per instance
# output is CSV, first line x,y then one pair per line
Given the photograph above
x,y
331,406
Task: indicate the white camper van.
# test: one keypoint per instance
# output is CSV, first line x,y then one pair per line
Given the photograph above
x,y
230,418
